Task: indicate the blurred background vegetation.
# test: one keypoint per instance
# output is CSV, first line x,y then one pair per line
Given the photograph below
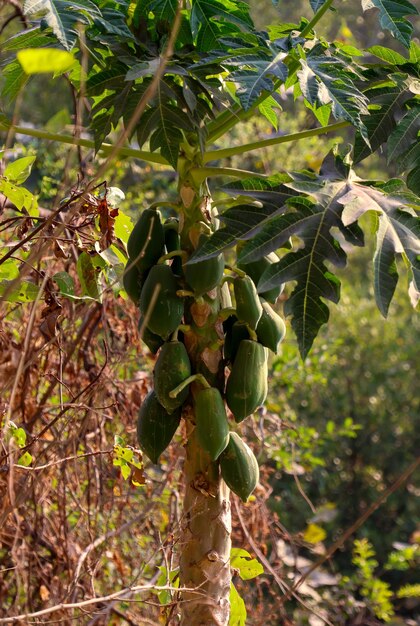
x,y
337,429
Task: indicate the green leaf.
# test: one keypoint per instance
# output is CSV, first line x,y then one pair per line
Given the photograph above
x,y
65,283
267,109
242,221
123,226
314,534
19,170
329,80
31,38
237,608
254,76
247,566
25,459
381,121
63,16
392,17
14,80
404,134
87,276
398,233
23,291
312,216
211,18
413,180
45,60
387,55
20,197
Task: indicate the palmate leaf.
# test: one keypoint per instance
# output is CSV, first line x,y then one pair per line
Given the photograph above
x,y
404,134
254,76
392,17
162,123
398,233
328,80
242,221
381,121
311,219
62,16
204,12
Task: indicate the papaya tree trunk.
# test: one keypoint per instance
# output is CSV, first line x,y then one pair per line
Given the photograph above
x,y
205,553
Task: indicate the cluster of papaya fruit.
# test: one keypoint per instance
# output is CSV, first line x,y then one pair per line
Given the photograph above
x,y
156,279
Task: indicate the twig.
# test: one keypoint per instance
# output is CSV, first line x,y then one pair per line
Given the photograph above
x,y
99,600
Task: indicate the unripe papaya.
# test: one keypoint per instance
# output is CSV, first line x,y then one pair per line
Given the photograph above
x,y
133,280
152,341
159,295
173,243
233,337
246,387
171,369
271,328
204,275
248,305
255,270
146,242
211,422
239,467
155,427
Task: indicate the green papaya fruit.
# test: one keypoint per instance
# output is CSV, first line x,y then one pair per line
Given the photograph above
x,y
271,328
239,467
211,422
159,295
255,270
173,243
246,387
171,369
152,341
233,338
133,280
248,305
155,427
146,242
204,275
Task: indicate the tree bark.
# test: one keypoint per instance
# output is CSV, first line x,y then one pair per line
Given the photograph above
x,y
206,543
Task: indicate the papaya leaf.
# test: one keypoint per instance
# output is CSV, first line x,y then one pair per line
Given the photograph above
x,y
31,38
329,80
413,180
392,17
242,221
398,234
14,79
254,76
387,102
404,134
387,55
63,16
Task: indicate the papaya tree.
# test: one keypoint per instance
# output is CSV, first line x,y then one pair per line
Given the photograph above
x,y
174,78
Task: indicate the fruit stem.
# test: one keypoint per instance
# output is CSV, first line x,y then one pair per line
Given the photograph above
x,y
195,377
171,255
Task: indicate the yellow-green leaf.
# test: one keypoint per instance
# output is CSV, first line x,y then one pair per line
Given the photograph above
x,y
314,534
45,60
